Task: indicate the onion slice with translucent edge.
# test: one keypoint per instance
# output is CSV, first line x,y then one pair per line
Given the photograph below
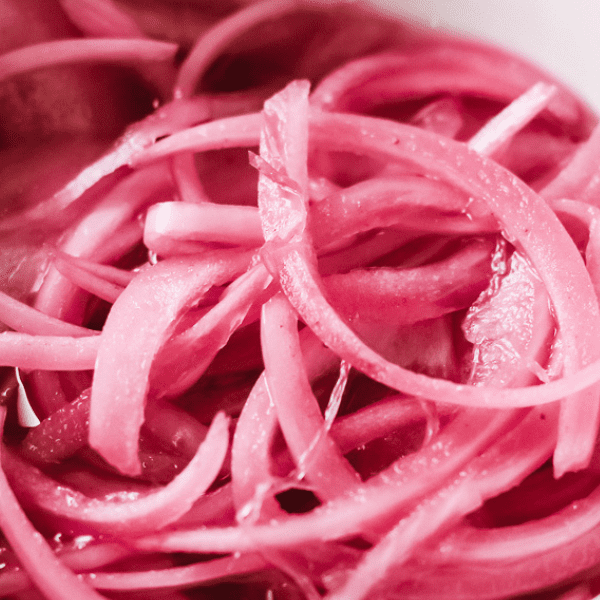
x,y
317,456
224,223
513,118
139,323
229,132
284,148
403,201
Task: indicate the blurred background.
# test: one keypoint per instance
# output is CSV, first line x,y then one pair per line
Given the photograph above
x,y
560,35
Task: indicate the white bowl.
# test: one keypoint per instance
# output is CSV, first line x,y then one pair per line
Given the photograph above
x,y
559,35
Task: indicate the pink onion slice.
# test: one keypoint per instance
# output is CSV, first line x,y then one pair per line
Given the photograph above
x,y
48,442
515,116
48,353
406,201
443,116
210,45
139,323
60,52
230,132
174,374
316,455
24,318
87,281
253,483
412,295
45,569
205,572
120,277
573,179
227,224
91,236
101,18
510,326
129,516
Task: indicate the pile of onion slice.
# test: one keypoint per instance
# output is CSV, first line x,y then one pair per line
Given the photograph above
x,y
323,324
